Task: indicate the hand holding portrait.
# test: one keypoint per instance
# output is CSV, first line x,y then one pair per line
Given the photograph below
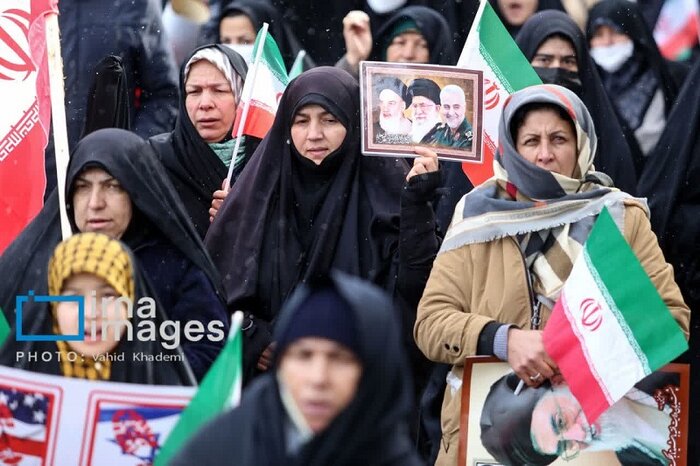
x,y
426,162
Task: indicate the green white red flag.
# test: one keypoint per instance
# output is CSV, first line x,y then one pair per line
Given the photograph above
x,y
610,328
676,31
26,114
491,49
266,82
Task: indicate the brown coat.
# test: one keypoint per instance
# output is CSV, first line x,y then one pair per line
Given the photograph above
x,y
478,283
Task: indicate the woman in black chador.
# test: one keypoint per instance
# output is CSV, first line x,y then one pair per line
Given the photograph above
x,y
309,201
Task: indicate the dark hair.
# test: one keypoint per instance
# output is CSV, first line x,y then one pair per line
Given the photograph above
x,y
518,118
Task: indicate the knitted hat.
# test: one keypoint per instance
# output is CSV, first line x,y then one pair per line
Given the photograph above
x,y
93,253
324,314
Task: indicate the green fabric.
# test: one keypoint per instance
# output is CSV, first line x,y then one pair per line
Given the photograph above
x,y
630,291
4,327
224,150
219,391
405,25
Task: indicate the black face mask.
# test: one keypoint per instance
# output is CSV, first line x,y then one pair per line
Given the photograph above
x,y
560,77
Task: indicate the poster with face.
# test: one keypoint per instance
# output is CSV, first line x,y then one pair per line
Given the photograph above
x,y
546,425
407,105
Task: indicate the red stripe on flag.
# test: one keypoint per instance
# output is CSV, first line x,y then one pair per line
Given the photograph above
x,y
684,39
22,184
257,123
480,172
26,447
565,347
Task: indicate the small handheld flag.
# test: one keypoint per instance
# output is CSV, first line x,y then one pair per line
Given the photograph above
x,y
610,328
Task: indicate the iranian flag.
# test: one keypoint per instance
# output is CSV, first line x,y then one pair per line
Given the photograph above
x,y
220,390
676,30
26,114
610,328
491,49
266,81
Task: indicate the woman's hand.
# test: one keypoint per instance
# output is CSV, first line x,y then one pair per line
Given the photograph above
x,y
527,357
358,37
217,201
426,162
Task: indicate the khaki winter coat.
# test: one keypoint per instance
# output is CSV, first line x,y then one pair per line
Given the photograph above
x,y
475,284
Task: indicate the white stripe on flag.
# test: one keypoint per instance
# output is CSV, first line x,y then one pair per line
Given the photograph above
x,y
613,359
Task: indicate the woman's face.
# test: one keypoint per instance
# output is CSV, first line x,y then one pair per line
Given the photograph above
x,y
237,29
605,36
548,141
556,52
104,314
210,102
100,204
516,12
322,376
316,133
409,47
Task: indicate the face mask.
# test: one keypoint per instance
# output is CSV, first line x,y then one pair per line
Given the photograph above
x,y
612,57
560,77
245,50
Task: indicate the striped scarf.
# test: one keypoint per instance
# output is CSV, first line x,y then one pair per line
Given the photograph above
x,y
549,214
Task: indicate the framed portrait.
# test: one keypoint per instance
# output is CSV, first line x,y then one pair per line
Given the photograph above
x,y
407,105
545,425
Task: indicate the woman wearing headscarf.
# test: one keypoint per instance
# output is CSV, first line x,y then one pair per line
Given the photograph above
x,y
669,182
414,34
309,201
198,152
117,186
513,242
239,22
558,52
640,83
338,393
24,261
514,13
103,272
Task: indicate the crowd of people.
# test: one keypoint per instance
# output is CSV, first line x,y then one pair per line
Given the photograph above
x,y
364,281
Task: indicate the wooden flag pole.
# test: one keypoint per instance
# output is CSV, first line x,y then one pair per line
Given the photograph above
x,y
58,116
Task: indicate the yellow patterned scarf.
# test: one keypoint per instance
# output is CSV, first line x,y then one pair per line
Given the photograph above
x,y
106,258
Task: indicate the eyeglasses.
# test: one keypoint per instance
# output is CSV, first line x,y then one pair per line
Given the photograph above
x,y
568,449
